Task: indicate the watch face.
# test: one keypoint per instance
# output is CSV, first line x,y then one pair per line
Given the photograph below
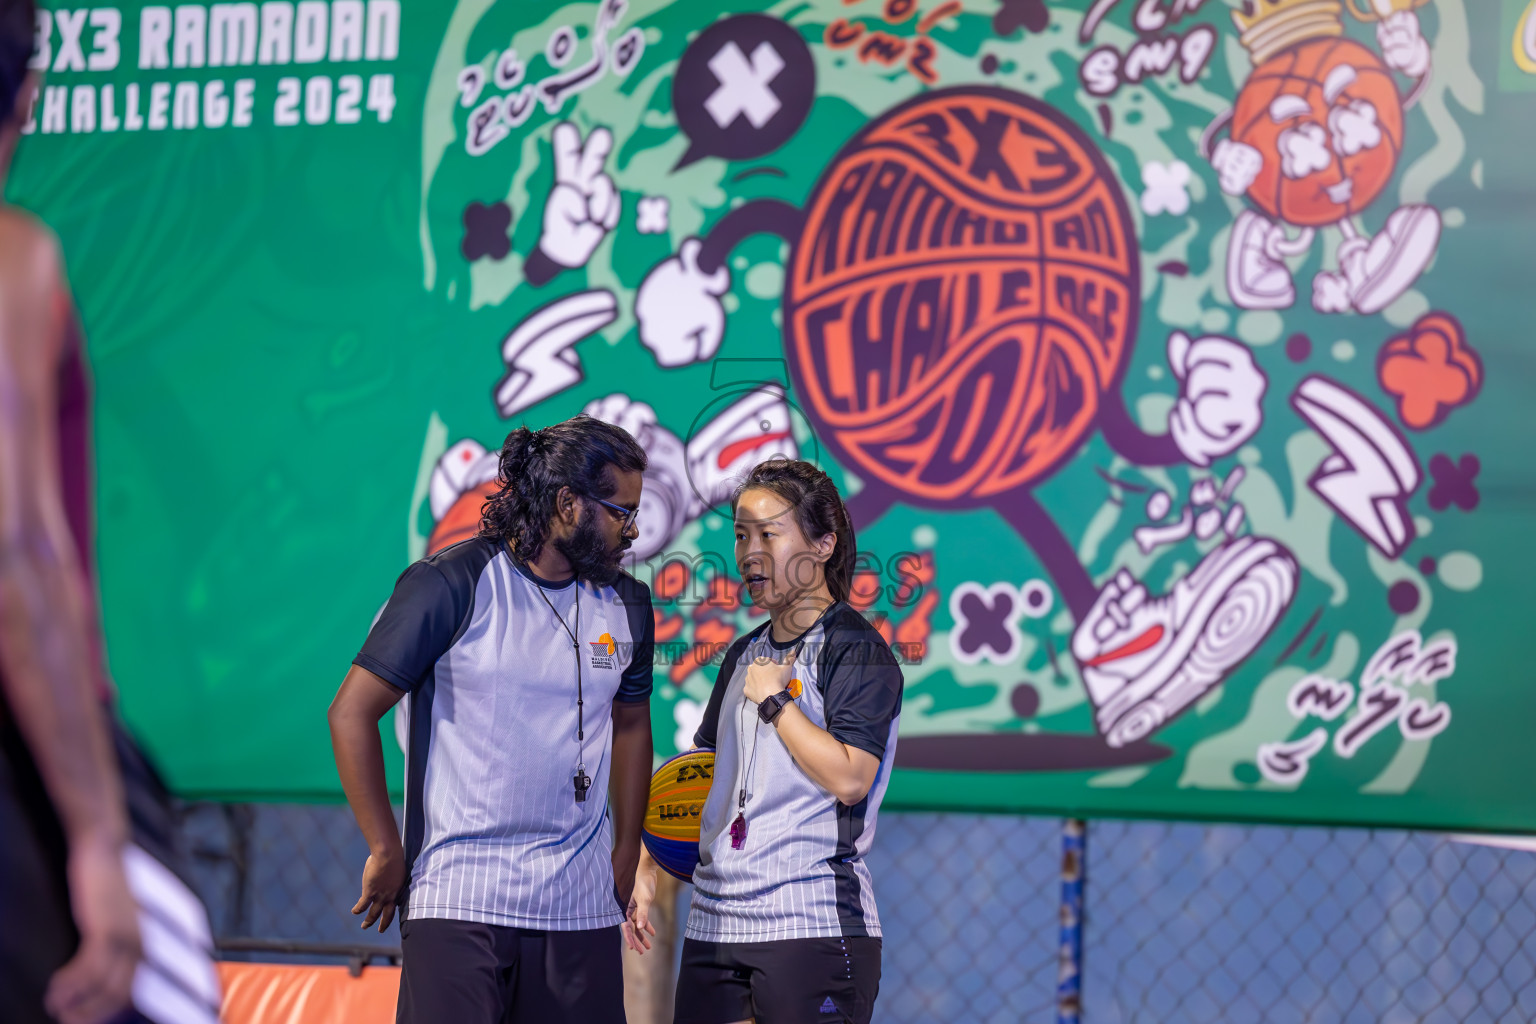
x,y
770,708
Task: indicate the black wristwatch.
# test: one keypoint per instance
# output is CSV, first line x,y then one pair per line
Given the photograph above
x,y
773,707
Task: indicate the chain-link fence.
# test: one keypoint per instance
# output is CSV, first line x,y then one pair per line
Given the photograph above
x,y
1184,924
1225,923
279,873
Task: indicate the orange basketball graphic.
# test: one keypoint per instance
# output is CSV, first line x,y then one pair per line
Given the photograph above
x,y
964,291
1302,87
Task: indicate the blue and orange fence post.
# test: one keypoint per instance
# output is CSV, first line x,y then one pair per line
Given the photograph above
x,y
1069,975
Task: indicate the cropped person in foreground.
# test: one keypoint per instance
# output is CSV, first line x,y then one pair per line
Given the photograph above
x,y
85,823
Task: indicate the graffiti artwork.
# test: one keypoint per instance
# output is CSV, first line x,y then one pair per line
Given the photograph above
x,y
1155,345
959,298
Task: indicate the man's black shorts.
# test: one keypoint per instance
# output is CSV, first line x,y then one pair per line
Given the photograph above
x,y
794,981
467,973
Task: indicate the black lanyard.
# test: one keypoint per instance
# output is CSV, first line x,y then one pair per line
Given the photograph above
x,y
580,782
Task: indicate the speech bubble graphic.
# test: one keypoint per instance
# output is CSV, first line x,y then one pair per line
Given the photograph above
x,y
742,88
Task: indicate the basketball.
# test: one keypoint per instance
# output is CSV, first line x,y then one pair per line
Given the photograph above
x,y
678,790
1322,74
964,290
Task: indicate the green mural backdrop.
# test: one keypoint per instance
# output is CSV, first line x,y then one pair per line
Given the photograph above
x,y
1172,353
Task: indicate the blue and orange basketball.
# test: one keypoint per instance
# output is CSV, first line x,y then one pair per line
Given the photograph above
x,y
678,791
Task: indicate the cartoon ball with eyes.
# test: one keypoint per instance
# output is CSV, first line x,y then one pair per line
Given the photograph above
x,y
1330,110
1314,139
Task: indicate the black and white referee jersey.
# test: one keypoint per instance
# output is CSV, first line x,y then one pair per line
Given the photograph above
x,y
493,832
800,873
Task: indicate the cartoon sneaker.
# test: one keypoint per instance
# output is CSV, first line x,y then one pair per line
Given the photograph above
x,y
1395,258
461,520
463,478
1256,276
1146,659
459,468
755,428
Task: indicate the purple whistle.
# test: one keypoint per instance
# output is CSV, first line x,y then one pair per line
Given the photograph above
x,y
738,832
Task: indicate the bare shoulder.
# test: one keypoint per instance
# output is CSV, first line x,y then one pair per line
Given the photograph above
x,y
30,261
31,283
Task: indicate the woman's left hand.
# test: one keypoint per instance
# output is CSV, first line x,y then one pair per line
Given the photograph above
x,y
766,677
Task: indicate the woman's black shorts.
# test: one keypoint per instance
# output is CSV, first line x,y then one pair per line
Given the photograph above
x,y
793,981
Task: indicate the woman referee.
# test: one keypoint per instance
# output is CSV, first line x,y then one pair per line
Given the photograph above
x,y
803,719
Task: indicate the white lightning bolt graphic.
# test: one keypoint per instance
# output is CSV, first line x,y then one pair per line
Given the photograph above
x,y
538,353
1372,471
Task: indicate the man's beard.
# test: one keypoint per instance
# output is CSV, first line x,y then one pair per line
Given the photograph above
x,y
589,555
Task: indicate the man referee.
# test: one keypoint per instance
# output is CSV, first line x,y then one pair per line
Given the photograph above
x,y
526,653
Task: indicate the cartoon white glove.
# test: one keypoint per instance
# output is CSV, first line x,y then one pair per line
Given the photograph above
x,y
1237,164
1219,401
582,207
1403,45
624,412
678,307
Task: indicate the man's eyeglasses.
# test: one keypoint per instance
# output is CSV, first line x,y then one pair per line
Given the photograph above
x,y
627,514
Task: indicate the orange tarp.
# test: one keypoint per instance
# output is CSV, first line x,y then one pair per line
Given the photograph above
x,y
305,994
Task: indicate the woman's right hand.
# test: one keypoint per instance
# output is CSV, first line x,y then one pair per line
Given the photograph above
x,y
637,921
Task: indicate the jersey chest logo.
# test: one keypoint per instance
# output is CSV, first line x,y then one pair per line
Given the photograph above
x,y
604,652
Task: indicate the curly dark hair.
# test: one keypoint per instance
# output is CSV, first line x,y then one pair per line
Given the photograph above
x,y
819,510
18,23
535,464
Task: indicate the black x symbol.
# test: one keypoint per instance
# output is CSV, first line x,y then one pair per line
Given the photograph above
x,y
984,623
